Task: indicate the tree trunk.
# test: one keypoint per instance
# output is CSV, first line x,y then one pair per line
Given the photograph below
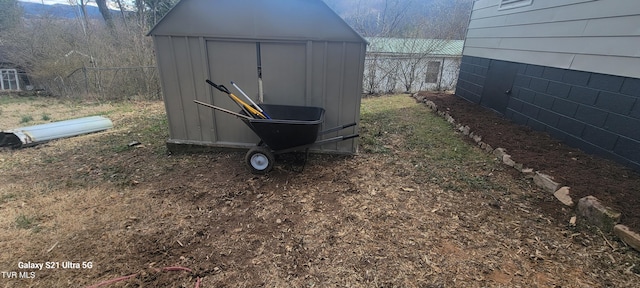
x,y
106,14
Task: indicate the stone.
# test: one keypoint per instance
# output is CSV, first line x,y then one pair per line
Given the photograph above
x,y
597,214
431,105
466,130
506,159
449,119
627,236
488,148
518,166
562,194
527,172
545,182
499,152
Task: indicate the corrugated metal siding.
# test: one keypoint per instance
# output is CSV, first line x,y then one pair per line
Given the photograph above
x,y
284,73
312,73
231,61
587,35
301,65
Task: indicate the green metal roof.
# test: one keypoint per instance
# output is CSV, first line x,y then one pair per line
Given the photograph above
x,y
415,46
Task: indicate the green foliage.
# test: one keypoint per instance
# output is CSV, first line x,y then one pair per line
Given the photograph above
x,y
399,125
7,197
26,119
45,117
25,222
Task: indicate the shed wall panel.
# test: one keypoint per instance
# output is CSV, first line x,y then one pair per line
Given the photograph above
x,y
232,61
318,76
187,86
198,52
170,88
334,86
284,73
350,107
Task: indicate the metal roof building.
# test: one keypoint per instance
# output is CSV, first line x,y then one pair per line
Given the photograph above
x,y
435,47
287,52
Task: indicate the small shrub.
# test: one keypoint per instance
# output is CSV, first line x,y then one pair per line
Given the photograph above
x,y
26,119
46,117
24,222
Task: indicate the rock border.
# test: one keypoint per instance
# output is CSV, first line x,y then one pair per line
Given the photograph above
x,y
588,209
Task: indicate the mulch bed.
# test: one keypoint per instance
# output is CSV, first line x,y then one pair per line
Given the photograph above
x,y
614,185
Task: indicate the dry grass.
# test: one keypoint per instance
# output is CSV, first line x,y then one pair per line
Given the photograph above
x,y
417,208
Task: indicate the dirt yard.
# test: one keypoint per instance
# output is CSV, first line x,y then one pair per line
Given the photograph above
x,y
417,207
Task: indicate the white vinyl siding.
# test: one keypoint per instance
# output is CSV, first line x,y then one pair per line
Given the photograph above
x,y
570,34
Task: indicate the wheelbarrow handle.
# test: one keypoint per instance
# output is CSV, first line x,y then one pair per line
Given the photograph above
x,y
219,87
338,128
350,136
223,110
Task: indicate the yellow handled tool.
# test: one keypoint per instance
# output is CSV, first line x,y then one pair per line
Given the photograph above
x,y
246,107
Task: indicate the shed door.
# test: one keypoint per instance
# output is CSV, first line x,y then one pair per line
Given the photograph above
x,y
232,61
498,85
284,73
283,70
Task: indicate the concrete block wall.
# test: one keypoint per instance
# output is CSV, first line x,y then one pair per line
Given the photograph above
x,y
597,113
473,71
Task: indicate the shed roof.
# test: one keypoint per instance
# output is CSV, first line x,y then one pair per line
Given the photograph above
x,y
441,47
256,19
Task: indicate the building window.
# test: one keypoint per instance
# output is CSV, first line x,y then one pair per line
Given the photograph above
x,y
508,4
433,70
9,79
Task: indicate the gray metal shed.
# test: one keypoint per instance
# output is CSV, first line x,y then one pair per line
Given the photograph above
x,y
305,54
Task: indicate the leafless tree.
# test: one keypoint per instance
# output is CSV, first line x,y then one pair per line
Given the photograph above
x,y
106,13
412,39
83,57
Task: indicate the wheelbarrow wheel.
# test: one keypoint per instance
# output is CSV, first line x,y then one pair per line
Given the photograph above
x,y
260,160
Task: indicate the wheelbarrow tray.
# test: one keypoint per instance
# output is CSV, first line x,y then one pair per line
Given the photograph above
x,y
289,126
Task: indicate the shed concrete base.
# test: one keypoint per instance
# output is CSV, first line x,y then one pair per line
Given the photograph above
x,y
187,147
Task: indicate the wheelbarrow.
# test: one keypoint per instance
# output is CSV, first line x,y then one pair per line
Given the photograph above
x,y
289,129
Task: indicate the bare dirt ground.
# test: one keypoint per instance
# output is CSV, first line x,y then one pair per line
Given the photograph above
x,y
402,213
613,184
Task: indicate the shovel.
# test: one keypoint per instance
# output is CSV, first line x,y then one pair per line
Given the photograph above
x,y
252,103
246,107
